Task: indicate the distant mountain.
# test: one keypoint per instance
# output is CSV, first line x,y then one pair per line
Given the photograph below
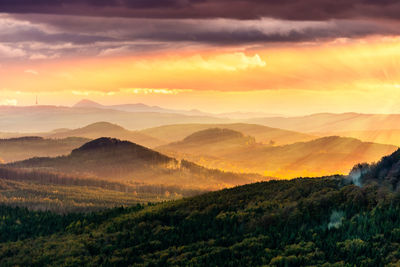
x,y
138,107
262,134
101,129
86,103
16,149
323,156
46,118
330,122
109,158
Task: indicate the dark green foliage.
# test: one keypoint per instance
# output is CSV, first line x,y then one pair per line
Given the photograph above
x,y
20,223
385,172
39,190
277,223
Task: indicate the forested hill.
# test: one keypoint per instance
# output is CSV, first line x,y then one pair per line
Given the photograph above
x,y
108,147
277,223
104,155
113,159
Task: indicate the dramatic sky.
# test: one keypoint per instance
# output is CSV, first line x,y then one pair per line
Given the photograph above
x,y
282,57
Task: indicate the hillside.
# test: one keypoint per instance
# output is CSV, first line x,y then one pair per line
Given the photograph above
x,y
323,156
262,134
391,137
113,159
61,193
210,141
318,222
101,129
16,149
331,122
214,135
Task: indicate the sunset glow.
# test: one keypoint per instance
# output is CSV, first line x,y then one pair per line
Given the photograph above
x,y
301,67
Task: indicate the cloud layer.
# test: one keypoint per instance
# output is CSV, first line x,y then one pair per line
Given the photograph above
x,y
36,36
236,9
46,29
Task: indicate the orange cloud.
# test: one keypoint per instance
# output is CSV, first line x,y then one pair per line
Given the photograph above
x,y
292,75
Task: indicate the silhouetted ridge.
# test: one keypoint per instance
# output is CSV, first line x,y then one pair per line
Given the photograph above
x,y
122,149
104,143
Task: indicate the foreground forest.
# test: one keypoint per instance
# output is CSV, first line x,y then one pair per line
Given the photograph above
x,y
278,223
330,221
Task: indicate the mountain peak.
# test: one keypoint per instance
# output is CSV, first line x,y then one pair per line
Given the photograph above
x,y
117,150
102,125
86,103
103,142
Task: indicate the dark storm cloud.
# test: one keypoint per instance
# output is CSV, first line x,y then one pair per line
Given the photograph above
x,y
57,28
237,9
49,36
254,35
208,31
36,35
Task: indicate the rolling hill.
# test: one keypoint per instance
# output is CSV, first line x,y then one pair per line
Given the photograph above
x,y
391,137
47,118
16,149
106,129
116,160
330,122
262,134
323,156
214,141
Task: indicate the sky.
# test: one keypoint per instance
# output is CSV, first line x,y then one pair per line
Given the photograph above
x,y
289,57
